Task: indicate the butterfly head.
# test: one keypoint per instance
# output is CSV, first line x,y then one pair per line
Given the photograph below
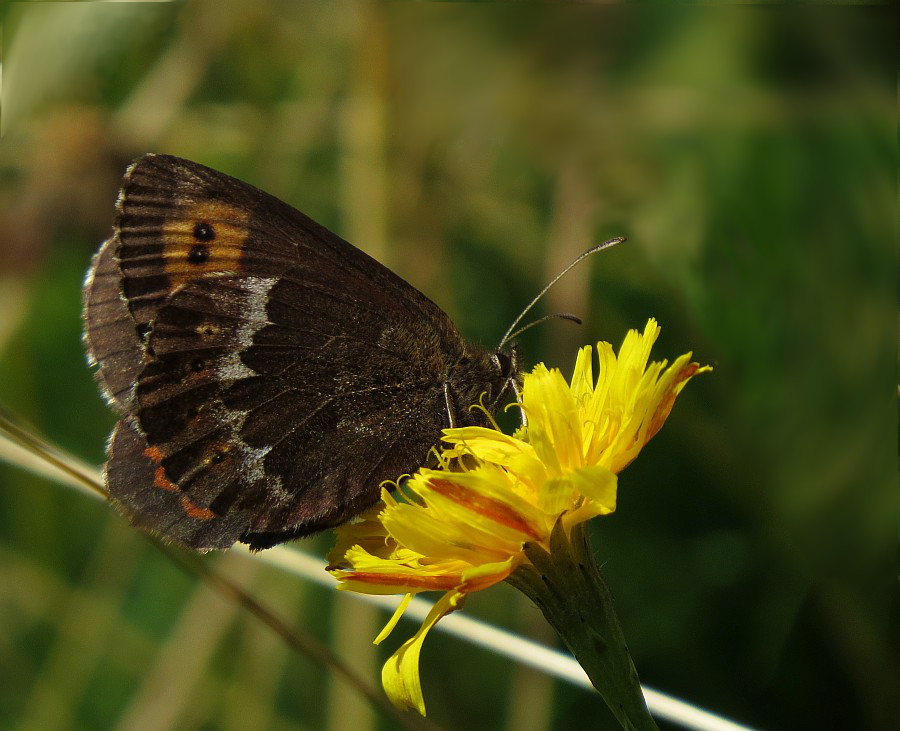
x,y
483,377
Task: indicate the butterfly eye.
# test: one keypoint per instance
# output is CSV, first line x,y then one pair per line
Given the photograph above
x,y
464,362
143,330
505,363
197,365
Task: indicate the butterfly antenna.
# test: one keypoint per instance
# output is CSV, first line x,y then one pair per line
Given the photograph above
x,y
509,335
554,316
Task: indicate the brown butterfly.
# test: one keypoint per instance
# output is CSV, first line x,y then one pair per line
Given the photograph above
x,y
268,374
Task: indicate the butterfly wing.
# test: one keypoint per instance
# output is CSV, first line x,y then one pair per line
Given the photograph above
x,y
282,373
110,338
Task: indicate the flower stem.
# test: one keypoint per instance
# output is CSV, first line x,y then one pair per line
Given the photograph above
x,y
568,588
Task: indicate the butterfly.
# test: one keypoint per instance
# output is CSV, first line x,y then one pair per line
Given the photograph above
x,y
268,376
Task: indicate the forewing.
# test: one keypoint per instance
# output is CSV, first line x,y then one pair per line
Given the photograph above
x,y
179,221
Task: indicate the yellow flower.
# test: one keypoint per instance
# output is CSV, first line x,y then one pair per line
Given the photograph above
x,y
462,527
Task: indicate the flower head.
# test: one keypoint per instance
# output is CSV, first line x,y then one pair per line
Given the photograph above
x,y
462,527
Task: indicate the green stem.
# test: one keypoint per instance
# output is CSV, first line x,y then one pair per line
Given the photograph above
x,y
568,588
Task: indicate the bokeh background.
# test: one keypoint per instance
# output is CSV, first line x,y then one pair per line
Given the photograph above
x,y
749,155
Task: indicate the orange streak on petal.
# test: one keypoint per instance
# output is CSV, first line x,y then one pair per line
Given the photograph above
x,y
483,582
495,510
438,583
665,405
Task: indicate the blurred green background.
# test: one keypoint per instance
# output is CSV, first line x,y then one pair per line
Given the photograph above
x,y
749,155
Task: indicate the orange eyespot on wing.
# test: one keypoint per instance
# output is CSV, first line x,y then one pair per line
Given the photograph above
x,y
206,237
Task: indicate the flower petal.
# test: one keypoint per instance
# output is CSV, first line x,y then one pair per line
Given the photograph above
x,y
392,622
400,674
554,422
598,485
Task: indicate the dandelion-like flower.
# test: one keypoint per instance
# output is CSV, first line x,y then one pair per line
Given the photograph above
x,y
500,507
